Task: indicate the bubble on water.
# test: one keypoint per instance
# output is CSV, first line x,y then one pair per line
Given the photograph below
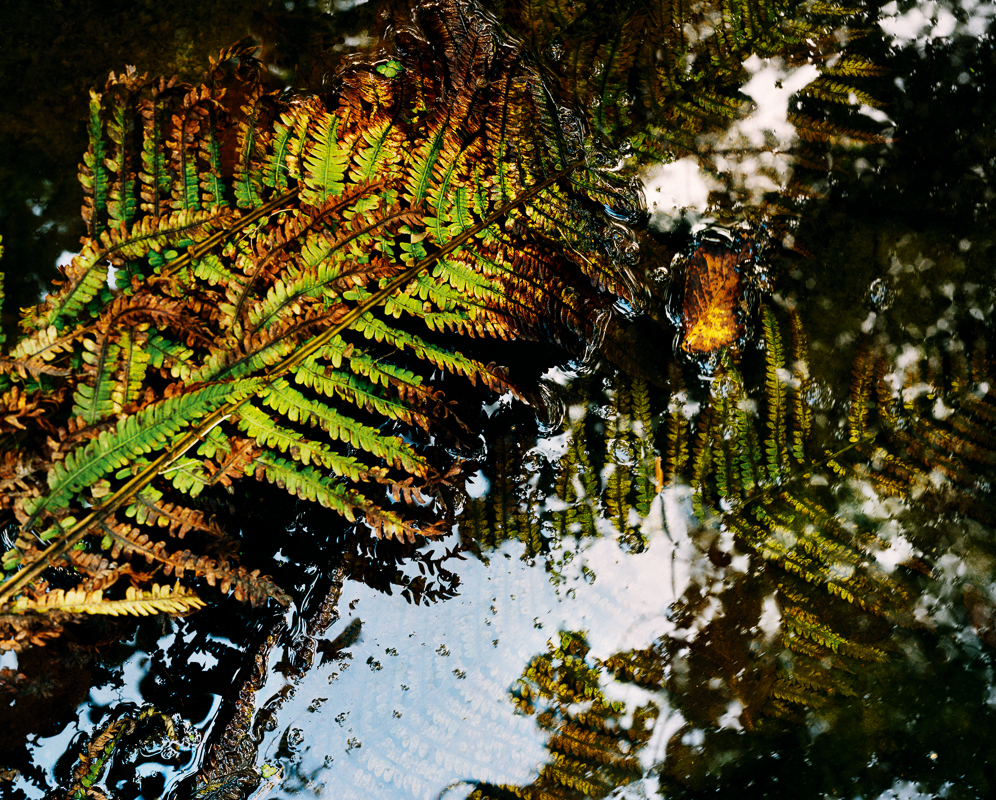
x,y
881,295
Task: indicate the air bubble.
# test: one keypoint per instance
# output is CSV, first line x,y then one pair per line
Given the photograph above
x,y
881,295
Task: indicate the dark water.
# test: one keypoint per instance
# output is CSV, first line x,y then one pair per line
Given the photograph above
x,y
428,682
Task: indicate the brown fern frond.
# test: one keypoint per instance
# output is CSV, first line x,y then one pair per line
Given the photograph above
x,y
124,539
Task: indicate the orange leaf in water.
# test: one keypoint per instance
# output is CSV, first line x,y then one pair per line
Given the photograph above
x,y
712,294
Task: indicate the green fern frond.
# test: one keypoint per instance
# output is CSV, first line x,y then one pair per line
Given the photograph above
x,y
212,186
677,427
132,364
647,462
378,154
146,431
325,160
804,624
440,357
701,465
153,176
576,486
272,436
94,756
94,174
122,201
621,457
853,66
309,484
364,393
284,399
802,413
86,276
860,395
289,136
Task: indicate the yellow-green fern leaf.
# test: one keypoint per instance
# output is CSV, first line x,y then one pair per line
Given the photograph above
x,y
775,444
158,600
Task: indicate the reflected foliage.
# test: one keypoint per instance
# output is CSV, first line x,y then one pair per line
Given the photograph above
x,y
114,745
823,540
593,750
604,478
681,67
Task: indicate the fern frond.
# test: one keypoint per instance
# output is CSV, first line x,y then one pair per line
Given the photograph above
x,y
86,275
182,146
325,160
270,435
379,154
677,426
283,398
157,600
149,508
94,174
365,394
443,358
94,402
144,432
804,624
833,91
617,471
153,178
860,395
853,66
802,413
308,484
122,201
132,364
252,138
776,398
289,137
576,485
701,462
122,538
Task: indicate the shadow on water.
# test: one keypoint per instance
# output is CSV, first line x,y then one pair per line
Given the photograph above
x,y
681,583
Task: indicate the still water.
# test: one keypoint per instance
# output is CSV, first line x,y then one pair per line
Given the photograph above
x,y
593,627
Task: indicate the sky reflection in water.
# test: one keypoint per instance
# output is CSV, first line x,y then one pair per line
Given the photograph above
x,y
423,702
